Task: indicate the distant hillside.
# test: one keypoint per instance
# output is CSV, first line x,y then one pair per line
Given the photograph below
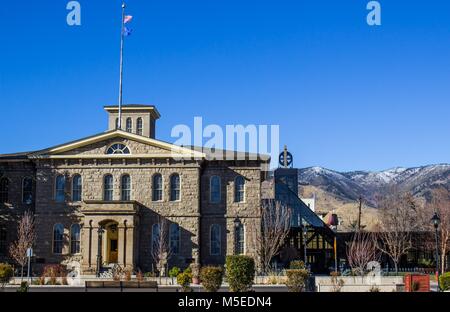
x,y
339,191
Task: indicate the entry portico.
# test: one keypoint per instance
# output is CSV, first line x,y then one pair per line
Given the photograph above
x,y
117,221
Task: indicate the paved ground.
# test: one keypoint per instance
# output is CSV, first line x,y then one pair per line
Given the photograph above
x,y
268,288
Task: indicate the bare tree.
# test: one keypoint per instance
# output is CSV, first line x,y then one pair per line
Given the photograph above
x,y
160,245
26,237
275,226
361,250
440,203
399,217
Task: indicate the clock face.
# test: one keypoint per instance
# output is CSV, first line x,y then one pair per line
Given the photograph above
x,y
288,159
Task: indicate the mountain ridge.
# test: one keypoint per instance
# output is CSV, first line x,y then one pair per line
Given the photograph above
x,y
340,191
350,185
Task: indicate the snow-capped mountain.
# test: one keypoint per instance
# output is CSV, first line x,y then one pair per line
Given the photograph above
x,y
350,185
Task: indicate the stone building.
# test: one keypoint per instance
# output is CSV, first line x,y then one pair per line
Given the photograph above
x,y
116,197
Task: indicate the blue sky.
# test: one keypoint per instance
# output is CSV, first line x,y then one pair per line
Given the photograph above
x,y
346,96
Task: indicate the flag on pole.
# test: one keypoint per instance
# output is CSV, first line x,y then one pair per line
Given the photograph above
x,y
127,19
127,31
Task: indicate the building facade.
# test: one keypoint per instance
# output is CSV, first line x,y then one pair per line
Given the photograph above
x,y
116,197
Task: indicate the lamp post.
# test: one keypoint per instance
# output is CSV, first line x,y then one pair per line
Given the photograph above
x,y
237,224
99,250
333,223
436,221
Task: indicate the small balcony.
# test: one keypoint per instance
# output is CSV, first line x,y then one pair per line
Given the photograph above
x,y
90,207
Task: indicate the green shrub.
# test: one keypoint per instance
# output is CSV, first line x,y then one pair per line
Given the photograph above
x,y
296,279
297,265
173,272
444,281
23,287
184,280
188,270
149,274
6,273
426,263
240,273
211,278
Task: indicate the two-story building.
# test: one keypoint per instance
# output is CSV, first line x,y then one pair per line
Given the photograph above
x,y
108,198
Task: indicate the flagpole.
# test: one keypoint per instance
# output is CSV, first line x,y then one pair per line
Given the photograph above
x,y
121,65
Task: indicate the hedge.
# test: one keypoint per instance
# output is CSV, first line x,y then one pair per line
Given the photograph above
x,y
6,273
211,278
296,279
240,273
444,281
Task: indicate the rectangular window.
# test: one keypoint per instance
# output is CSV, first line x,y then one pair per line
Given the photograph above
x,y
76,192
215,240
126,188
157,188
215,188
27,191
4,190
108,188
3,244
240,240
174,239
75,234
58,237
60,195
175,187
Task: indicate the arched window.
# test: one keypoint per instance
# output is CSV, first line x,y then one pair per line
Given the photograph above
x,y
117,123
174,187
239,189
108,187
139,126
174,238
240,239
4,187
125,187
3,242
75,236
129,125
76,188
215,194
27,190
118,149
157,187
155,237
58,238
215,243
60,187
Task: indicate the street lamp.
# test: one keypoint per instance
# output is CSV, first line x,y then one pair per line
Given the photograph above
x,y
436,221
333,223
99,250
237,224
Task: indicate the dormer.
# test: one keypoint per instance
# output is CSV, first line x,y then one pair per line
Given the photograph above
x,y
136,118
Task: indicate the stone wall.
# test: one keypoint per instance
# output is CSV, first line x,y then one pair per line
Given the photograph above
x,y
194,212
225,212
185,212
11,211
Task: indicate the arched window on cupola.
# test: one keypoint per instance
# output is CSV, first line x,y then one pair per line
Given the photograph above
x,y
129,125
139,126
